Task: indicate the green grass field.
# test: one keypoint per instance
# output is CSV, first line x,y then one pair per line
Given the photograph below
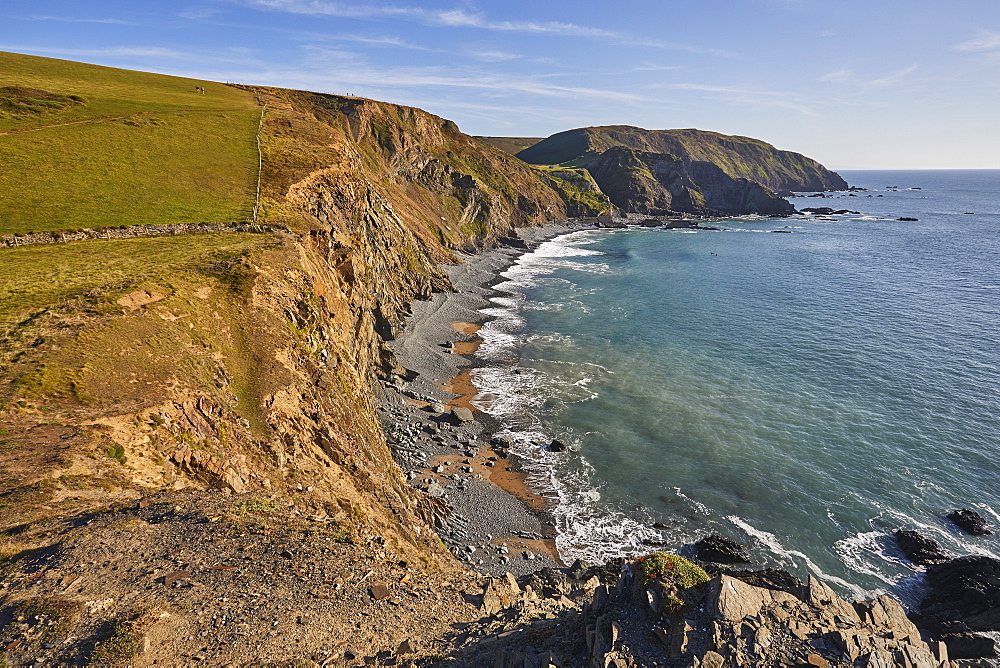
x,y
37,277
89,146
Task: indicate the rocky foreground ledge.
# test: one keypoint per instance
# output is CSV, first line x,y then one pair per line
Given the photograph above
x,y
648,617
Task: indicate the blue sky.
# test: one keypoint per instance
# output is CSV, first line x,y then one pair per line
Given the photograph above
x,y
879,84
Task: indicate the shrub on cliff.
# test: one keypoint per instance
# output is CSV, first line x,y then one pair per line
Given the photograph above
x,y
672,579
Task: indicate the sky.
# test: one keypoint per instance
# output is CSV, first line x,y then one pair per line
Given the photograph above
x,y
873,84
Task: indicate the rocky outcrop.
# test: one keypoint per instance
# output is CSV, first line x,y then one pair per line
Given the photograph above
x,y
720,550
738,157
919,549
659,184
969,520
964,595
601,621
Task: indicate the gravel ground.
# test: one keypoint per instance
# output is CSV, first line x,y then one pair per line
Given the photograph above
x,y
487,527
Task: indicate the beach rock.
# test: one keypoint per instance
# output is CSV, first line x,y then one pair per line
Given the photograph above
x,y
964,596
919,549
461,415
970,521
721,550
556,446
908,220
767,578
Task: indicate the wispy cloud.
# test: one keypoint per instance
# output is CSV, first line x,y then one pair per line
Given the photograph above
x,y
749,97
494,56
67,19
455,18
656,68
391,42
987,43
233,56
843,74
199,13
460,18
892,79
343,68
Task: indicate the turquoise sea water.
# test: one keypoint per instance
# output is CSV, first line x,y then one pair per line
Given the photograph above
x,y
802,393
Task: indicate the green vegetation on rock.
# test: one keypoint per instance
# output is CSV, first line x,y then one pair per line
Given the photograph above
x,y
673,578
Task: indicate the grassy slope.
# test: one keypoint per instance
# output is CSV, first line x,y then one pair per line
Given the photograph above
x,y
512,145
149,149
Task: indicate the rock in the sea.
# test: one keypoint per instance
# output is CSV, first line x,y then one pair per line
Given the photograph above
x,y
964,596
720,550
970,521
556,446
969,646
919,549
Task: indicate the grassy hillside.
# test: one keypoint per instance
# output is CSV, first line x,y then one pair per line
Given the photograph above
x,y
512,145
90,146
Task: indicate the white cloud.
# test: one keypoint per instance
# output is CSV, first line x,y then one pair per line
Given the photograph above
x,y
656,68
892,79
200,13
749,97
65,19
987,41
494,56
843,74
459,18
392,42
233,56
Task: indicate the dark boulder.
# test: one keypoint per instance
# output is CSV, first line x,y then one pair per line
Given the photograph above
x,y
970,521
919,549
964,596
969,646
818,210
908,220
579,570
556,446
720,550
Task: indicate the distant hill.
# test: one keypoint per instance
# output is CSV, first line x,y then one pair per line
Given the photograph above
x,y
739,157
511,145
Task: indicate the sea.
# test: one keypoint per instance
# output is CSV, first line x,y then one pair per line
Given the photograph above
x,y
803,385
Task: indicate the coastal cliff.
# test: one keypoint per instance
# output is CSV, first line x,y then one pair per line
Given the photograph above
x,y
660,184
194,465
739,157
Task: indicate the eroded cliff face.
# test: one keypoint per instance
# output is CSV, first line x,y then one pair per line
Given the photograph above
x,y
739,157
254,369
657,184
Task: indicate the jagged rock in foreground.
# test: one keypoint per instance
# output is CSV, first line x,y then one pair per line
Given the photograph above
x,y
725,622
964,598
